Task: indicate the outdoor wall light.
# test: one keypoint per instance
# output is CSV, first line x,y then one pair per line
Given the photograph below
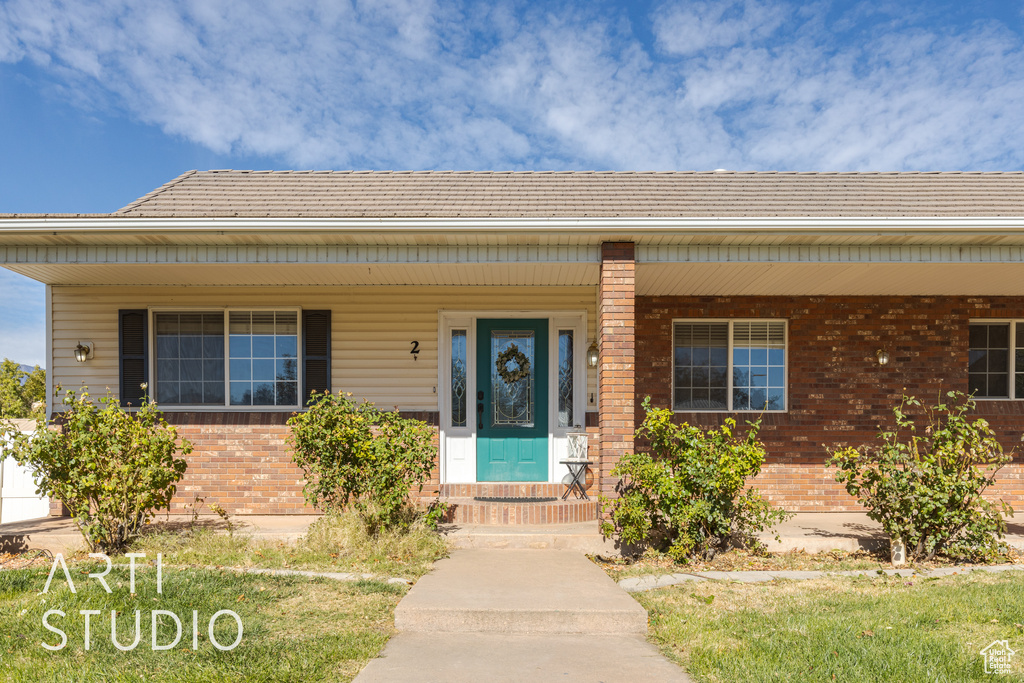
x,y
83,352
592,355
883,357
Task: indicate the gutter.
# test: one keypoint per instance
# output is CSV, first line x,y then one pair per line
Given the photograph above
x,y
642,226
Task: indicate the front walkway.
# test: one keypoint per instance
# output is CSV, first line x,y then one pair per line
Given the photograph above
x,y
519,615
810,531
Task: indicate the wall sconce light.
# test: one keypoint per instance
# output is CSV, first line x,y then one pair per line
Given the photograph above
x,y
83,352
592,355
883,357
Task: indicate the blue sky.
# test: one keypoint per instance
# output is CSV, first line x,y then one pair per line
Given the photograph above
x,y
101,102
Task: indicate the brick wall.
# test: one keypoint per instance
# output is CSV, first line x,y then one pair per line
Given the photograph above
x,y
241,462
837,393
616,357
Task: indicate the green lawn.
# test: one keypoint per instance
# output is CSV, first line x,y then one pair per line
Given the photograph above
x,y
840,629
295,629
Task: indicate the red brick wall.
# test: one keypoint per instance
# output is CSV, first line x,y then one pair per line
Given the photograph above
x,y
615,311
241,462
837,393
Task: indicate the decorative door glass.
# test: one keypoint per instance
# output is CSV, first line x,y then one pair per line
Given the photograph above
x,y
512,378
565,378
458,378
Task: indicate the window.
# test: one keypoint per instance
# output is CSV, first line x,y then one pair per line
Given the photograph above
x,y
565,379
459,380
729,365
264,358
993,371
238,358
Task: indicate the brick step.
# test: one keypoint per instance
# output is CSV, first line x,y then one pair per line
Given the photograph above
x,y
503,489
466,510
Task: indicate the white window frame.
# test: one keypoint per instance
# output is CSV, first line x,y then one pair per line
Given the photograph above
x,y
731,321
1011,365
227,405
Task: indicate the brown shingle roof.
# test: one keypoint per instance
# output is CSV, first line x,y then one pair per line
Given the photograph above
x,y
580,194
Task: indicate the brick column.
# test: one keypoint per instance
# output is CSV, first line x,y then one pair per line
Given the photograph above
x,y
616,344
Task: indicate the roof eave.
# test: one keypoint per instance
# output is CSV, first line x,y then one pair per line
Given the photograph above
x,y
118,228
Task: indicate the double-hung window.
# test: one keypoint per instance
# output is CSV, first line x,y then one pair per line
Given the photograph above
x,y
254,364
996,359
731,365
231,358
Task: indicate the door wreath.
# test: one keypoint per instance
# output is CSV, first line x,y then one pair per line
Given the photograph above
x,y
512,353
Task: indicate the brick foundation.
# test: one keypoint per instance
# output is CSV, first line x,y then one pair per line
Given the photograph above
x,y
837,392
241,462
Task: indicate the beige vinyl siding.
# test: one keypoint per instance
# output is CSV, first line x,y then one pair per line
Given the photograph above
x,y
372,329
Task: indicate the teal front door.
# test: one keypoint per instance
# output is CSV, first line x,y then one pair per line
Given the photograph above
x,y
512,400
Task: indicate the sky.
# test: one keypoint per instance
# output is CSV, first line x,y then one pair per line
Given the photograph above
x,y
103,101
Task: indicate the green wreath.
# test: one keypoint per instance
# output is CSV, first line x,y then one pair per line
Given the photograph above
x,y
512,353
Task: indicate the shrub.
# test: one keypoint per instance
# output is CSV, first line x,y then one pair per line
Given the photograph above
x,y
925,486
110,467
354,455
688,495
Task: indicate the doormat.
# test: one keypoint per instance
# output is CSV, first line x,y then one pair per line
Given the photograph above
x,y
514,499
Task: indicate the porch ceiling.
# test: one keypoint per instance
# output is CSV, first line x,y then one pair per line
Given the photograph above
x,y
327,274
830,279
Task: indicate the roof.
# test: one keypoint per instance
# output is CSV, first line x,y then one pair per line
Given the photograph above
x,y
433,194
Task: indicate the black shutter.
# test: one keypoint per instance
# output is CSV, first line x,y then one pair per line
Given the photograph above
x,y
133,340
316,353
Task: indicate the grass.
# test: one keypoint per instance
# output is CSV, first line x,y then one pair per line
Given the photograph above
x,y
295,629
656,564
842,629
336,543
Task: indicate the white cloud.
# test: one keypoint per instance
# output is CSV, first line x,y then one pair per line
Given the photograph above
x,y
690,28
746,84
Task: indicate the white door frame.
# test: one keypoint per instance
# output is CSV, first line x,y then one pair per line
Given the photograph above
x,y
458,444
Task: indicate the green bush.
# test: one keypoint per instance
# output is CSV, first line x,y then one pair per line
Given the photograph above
x,y
354,455
925,486
110,467
688,495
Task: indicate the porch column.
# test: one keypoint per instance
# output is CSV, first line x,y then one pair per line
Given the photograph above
x,y
616,344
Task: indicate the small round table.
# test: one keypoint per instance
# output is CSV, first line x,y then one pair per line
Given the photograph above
x,y
578,472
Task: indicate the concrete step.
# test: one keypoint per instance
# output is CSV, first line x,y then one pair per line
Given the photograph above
x,y
519,592
582,537
499,657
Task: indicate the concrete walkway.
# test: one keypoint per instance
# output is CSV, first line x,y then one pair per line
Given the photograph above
x,y
812,532
519,615
61,534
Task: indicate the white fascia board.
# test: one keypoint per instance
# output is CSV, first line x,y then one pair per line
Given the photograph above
x,y
685,254
810,226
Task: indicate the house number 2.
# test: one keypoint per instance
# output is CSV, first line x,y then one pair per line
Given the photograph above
x,y
415,350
